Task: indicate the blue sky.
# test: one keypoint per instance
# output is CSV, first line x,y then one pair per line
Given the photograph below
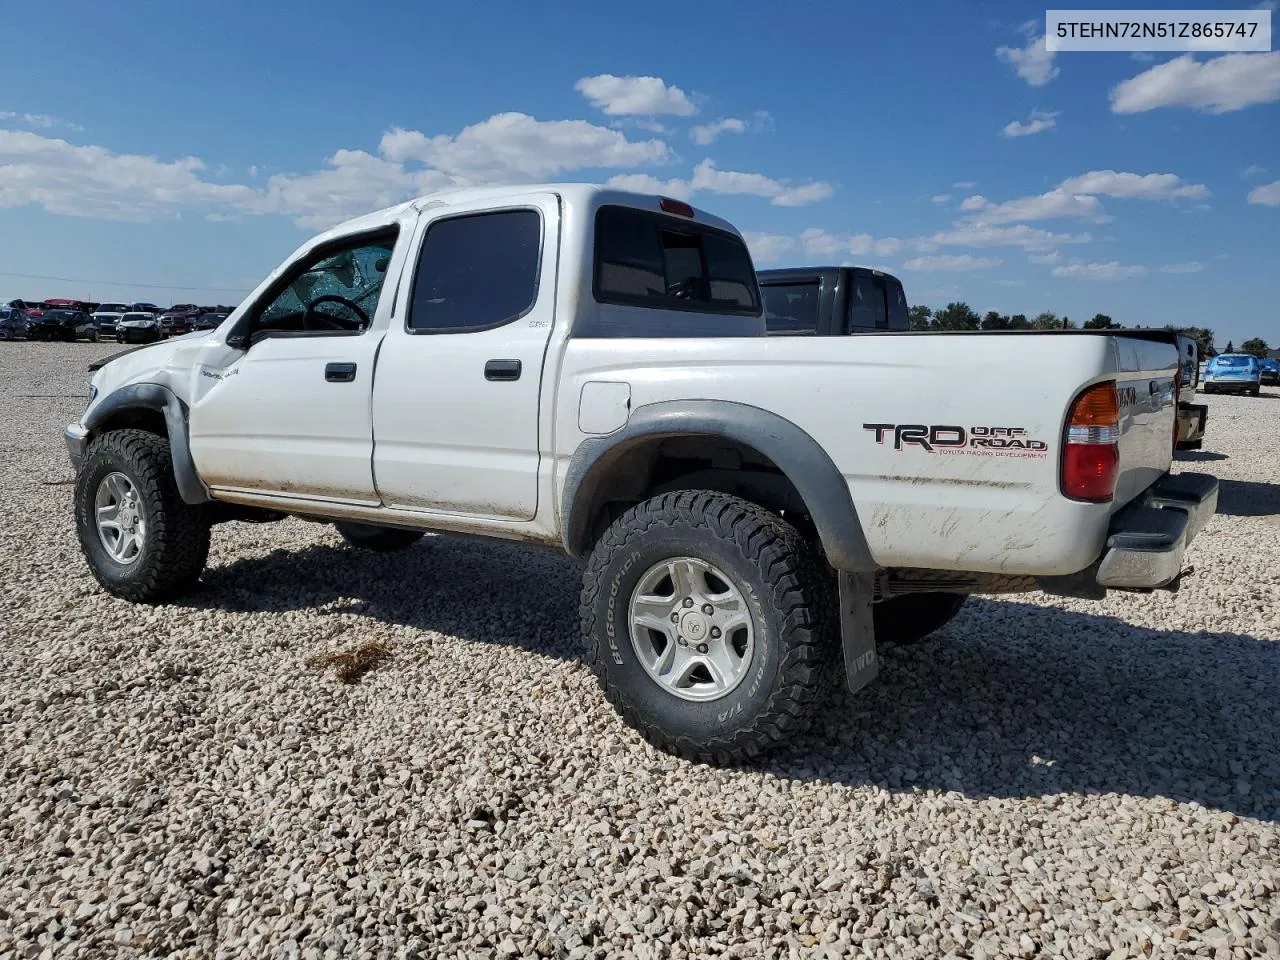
x,y
196,145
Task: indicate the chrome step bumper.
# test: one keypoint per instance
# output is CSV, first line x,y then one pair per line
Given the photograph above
x,y
1148,539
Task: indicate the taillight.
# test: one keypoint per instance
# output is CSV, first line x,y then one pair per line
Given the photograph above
x,y
1177,402
1091,445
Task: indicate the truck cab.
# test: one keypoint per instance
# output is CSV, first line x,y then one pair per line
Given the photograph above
x,y
832,301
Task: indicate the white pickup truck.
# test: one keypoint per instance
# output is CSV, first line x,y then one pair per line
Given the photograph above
x,y
588,368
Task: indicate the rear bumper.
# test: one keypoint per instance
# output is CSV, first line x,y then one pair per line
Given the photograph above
x,y
1147,541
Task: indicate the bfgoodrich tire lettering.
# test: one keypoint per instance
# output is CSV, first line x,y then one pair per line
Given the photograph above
x,y
787,597
176,543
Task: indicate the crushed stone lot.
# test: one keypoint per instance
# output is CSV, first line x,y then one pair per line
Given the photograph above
x,y
1042,778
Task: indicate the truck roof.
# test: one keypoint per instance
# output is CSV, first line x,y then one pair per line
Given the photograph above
x,y
575,194
791,273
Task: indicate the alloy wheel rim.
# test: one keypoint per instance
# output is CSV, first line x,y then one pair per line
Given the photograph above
x,y
122,528
691,628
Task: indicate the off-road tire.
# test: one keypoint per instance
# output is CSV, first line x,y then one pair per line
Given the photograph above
x,y
378,539
790,600
176,545
911,618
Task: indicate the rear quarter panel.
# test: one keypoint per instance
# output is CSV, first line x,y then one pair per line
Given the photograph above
x,y
994,506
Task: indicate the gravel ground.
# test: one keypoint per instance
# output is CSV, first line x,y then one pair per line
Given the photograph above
x,y
1077,779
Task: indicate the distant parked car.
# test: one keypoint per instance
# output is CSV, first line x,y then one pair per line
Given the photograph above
x,y
13,323
1233,373
178,319
1269,371
108,315
138,327
144,308
208,321
62,324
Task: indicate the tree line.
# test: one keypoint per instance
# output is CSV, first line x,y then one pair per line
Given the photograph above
x,y
960,316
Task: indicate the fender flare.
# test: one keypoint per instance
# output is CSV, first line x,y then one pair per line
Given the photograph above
x,y
801,458
153,396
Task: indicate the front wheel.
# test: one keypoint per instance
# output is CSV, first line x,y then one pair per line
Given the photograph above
x,y
143,543
379,539
708,624
911,618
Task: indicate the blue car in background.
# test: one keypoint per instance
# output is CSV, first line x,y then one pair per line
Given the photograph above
x,y
1270,370
1233,373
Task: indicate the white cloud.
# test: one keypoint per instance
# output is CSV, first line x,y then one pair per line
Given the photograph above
x,y
514,146
1077,197
1221,85
645,96
644,183
1038,122
94,182
1053,256
965,184
1056,204
952,262
819,243
940,198
353,182
707,177
768,247
38,121
1034,62
1253,170
1192,266
978,234
1133,186
1111,270
706,133
1267,195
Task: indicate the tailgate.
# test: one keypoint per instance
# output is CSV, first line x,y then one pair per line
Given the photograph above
x,y
1144,371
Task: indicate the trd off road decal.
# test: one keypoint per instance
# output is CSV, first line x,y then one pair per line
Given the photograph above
x,y
960,441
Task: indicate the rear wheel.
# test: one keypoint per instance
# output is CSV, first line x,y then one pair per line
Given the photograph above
x,y
911,618
708,624
379,539
143,543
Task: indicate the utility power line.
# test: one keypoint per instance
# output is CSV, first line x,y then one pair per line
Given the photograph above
x,y
121,283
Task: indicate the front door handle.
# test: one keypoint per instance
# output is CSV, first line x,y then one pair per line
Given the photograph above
x,y
339,372
502,370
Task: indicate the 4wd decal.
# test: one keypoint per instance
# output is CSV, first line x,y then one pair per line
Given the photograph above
x,y
948,439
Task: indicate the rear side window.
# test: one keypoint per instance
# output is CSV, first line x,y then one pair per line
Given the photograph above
x,y
791,308
867,310
477,272
896,298
877,303
650,260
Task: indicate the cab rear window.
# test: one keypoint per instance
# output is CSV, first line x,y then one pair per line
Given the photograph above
x,y
647,259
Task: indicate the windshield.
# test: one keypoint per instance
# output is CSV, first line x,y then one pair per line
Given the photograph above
x,y
135,317
112,308
1233,361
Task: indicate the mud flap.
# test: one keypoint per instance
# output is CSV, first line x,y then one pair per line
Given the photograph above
x,y
857,629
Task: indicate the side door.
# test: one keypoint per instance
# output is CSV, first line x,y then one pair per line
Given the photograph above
x,y
289,414
455,404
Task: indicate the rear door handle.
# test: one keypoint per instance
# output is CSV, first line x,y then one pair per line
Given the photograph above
x,y
339,372
502,370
